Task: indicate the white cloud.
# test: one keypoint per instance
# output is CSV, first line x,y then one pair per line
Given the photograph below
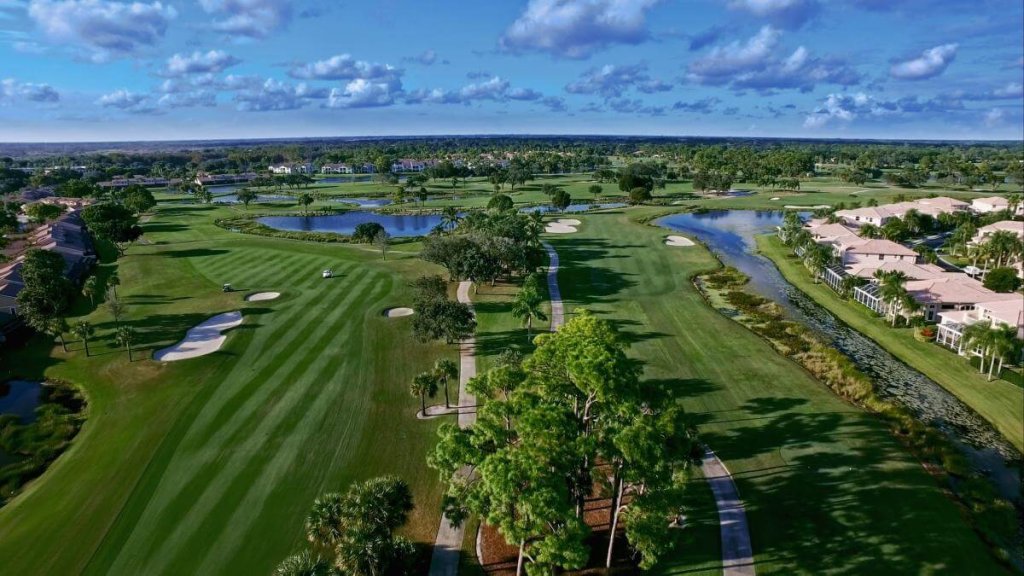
x,y
737,56
11,89
206,98
577,28
929,64
128,101
273,95
345,67
107,29
1011,90
361,93
995,117
249,18
785,13
612,81
199,63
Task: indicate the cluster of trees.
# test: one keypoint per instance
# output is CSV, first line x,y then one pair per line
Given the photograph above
x,y
112,222
572,420
353,534
996,344
484,246
437,316
47,294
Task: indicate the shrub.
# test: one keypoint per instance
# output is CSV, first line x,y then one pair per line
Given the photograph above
x,y
1002,280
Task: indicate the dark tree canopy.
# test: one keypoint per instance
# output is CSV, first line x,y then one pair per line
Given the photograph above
x,y
500,203
112,222
365,233
1002,280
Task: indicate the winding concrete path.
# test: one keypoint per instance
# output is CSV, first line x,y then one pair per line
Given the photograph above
x,y
737,553
557,307
448,544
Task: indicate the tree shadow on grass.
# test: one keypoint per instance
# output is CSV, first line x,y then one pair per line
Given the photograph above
x,y
162,227
194,253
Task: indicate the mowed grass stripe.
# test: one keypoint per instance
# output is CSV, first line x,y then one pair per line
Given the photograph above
x,y
299,429
187,464
269,429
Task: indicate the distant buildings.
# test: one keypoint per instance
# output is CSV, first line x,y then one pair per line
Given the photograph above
x,y
995,204
296,168
950,298
66,236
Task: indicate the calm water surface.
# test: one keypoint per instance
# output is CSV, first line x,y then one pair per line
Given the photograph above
x,y
346,222
19,397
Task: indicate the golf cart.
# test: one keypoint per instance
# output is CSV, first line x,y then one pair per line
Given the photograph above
x,y
227,288
328,273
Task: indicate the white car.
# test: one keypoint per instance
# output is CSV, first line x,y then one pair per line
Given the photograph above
x,y
328,273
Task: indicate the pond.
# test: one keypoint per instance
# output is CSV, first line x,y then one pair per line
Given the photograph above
x,y
730,235
233,199
572,208
365,202
345,223
19,397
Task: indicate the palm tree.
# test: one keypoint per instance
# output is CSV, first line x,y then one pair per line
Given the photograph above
x,y
893,291
817,258
445,370
126,337
1004,343
305,563
534,227
1003,245
527,307
979,335
57,327
423,385
870,231
323,524
113,280
84,330
91,288
450,218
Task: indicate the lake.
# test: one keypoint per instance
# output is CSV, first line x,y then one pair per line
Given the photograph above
x,y
345,223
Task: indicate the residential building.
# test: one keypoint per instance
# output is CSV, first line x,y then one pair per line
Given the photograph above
x,y
861,251
953,323
292,169
995,204
1017,227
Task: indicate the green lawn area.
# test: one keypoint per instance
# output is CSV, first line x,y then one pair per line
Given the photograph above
x,y
827,489
208,466
1000,402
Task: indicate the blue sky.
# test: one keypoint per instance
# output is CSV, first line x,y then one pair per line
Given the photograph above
x,y
111,70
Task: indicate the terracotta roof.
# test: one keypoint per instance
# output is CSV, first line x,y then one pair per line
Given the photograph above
x,y
878,246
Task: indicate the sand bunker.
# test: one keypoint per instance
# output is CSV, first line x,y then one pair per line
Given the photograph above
x,y
678,241
398,312
204,339
262,296
795,207
562,226
773,198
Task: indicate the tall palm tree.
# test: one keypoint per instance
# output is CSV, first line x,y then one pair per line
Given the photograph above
x,y
84,330
113,280
893,291
423,385
126,337
534,227
817,257
57,327
527,307
91,288
450,218
1004,343
979,335
446,369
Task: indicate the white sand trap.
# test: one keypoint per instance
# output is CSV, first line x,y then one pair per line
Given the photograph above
x,y
262,296
678,241
204,339
562,226
776,198
795,207
398,312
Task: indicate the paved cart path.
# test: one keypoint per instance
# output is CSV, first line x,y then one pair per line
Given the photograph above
x,y
448,544
737,554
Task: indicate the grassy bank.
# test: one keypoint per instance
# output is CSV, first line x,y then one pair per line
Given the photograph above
x,y
209,465
827,488
1000,402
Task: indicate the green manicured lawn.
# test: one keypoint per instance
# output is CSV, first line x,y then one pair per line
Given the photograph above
x,y
1000,402
827,489
208,466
